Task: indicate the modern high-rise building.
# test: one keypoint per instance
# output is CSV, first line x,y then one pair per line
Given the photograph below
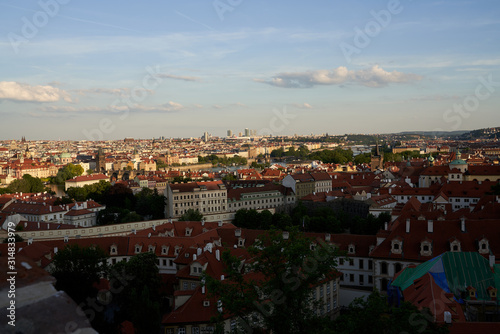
x,y
247,132
205,136
229,133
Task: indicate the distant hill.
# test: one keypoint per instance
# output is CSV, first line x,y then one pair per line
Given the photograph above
x,y
436,133
487,133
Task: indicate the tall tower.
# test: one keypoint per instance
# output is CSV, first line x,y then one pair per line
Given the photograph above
x,y
100,161
377,160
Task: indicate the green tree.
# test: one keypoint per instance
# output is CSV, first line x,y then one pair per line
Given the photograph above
x,y
28,184
276,283
374,315
77,268
191,216
140,300
68,172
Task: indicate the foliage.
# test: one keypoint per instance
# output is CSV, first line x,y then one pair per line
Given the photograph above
x,y
279,286
215,160
28,184
363,158
97,191
191,216
230,177
67,172
336,156
116,215
77,268
374,315
140,300
150,204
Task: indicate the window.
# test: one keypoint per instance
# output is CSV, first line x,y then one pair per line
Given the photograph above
x,y
351,277
360,263
181,331
370,264
370,279
341,262
184,285
361,279
195,330
328,288
398,267
193,286
170,331
351,262
383,268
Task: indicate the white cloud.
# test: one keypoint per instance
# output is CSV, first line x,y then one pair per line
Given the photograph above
x,y
302,105
10,90
178,77
110,91
370,77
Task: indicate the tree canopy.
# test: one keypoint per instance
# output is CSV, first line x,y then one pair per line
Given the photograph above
x,y
67,172
191,216
275,285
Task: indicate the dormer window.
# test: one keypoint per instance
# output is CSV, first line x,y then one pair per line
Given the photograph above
x,y
484,246
241,242
455,246
113,250
164,250
151,248
397,246
351,249
188,231
138,249
493,292
426,248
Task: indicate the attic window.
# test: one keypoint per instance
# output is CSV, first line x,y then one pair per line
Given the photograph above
x,y
351,249
241,242
397,246
137,249
455,246
164,250
113,250
206,303
186,255
425,248
484,246
151,249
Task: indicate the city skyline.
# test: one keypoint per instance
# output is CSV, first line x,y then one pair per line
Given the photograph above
x,y
108,71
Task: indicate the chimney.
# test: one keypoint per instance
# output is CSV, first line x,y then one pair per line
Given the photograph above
x,y
408,226
385,226
328,237
50,208
217,254
492,260
462,224
220,223
221,277
55,250
30,241
203,289
237,232
154,227
286,235
25,224
194,257
430,226
198,251
66,238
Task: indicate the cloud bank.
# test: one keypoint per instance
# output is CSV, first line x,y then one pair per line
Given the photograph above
x,y
370,77
14,91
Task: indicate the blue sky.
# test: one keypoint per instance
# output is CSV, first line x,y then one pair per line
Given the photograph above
x,y
115,69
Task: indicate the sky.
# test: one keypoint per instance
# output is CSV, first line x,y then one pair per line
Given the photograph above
x,y
99,70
